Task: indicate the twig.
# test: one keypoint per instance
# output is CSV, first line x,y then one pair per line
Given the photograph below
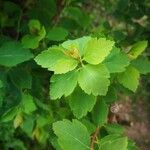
x,y
18,25
61,5
94,138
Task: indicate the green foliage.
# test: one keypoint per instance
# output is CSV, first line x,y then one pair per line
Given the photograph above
x,y
142,65
72,135
28,104
57,86
57,34
114,128
137,49
94,79
13,53
129,78
55,59
113,142
100,113
97,49
37,33
116,61
81,103
77,53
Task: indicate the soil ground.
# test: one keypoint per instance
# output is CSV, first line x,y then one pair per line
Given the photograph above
x,y
136,116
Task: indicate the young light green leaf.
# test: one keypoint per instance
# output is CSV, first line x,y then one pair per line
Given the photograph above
x,y
81,103
55,60
57,34
63,84
93,79
72,135
79,44
113,143
137,49
100,112
129,78
15,52
41,33
142,64
97,50
34,25
116,61
18,120
37,33
28,104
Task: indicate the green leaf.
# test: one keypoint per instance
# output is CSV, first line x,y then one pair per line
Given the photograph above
x,y
63,84
113,143
72,135
37,33
9,115
57,34
30,41
20,77
28,104
42,121
81,103
79,44
44,11
55,144
97,50
132,145
89,125
114,128
129,78
34,25
18,120
116,61
15,52
100,112
111,95
142,64
56,60
137,49
28,125
78,15
1,84
93,79
41,33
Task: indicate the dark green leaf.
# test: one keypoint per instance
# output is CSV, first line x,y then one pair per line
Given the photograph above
x,y
13,53
57,34
100,112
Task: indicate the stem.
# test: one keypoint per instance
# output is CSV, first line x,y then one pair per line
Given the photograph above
x,y
61,5
94,138
80,60
18,25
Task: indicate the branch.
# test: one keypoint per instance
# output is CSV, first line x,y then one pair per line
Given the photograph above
x,y
60,9
94,138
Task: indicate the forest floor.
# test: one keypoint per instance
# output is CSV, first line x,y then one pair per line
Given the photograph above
x,y
136,115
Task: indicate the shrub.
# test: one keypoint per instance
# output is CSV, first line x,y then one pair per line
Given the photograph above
x,y
61,72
